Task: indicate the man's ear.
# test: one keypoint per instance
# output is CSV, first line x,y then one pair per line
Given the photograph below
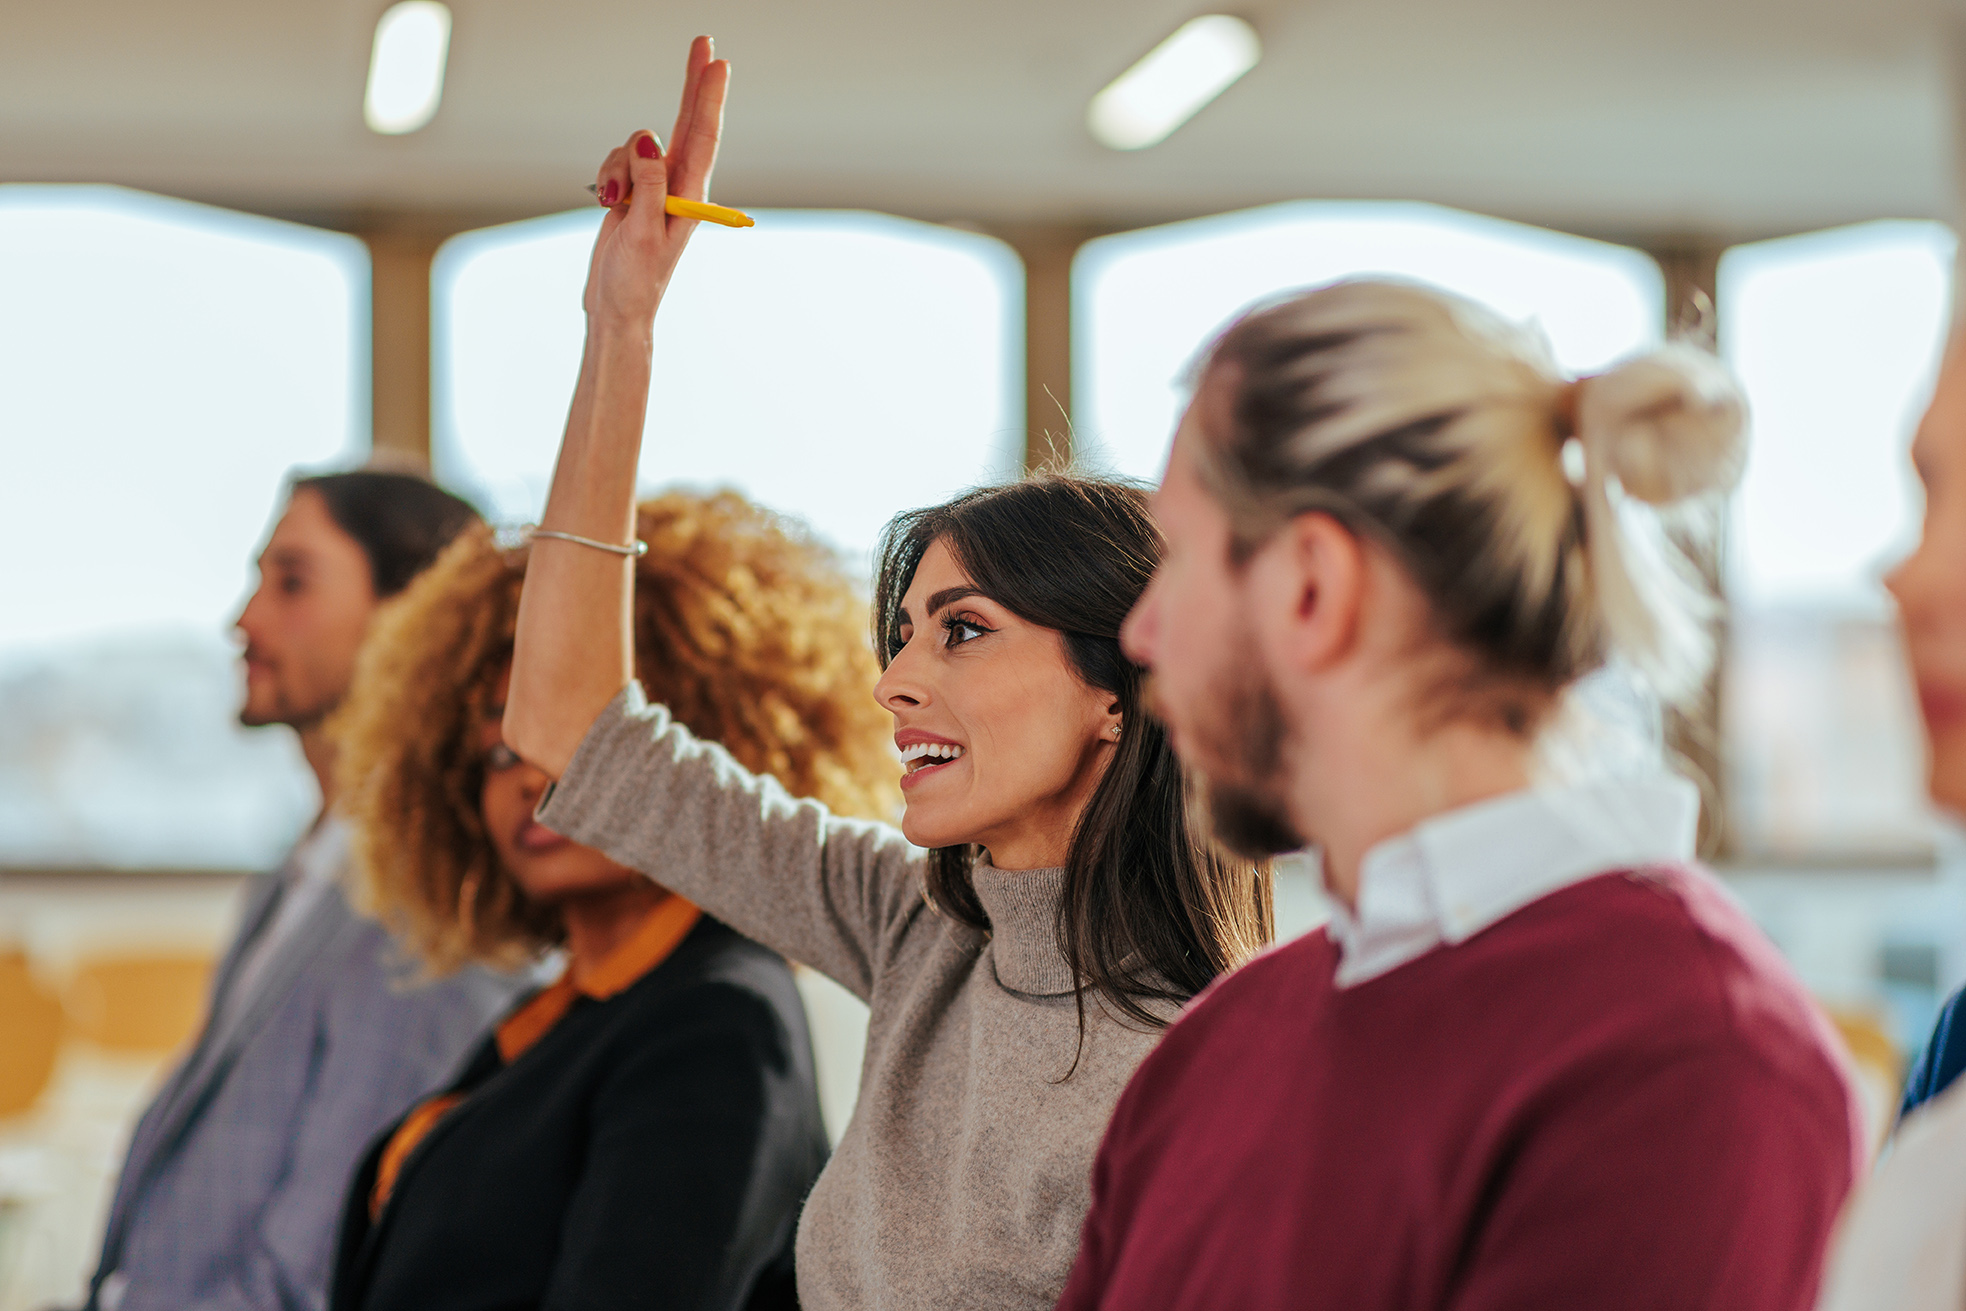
x,y
1312,579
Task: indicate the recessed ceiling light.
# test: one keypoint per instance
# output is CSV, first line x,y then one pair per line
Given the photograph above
x,y
406,67
1173,81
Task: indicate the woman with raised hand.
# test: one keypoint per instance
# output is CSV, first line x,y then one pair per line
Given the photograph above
x,y
1018,970
642,1132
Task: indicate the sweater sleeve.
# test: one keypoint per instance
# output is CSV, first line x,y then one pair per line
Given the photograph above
x,y
835,894
1720,1170
697,1161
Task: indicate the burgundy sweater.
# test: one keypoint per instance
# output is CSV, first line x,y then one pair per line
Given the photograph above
x,y
1617,1096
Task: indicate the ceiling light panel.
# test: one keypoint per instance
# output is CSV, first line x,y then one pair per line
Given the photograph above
x,y
1172,83
406,67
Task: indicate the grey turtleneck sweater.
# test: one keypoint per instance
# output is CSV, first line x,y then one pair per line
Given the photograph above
x,y
962,1179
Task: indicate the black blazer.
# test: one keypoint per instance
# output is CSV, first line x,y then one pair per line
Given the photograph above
x,y
651,1150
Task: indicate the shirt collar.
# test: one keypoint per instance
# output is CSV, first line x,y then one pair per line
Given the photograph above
x,y
1453,875
320,855
660,934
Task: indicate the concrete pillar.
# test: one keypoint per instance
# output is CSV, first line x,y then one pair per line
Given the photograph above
x,y
1692,272
399,337
1047,250
1952,36
1693,736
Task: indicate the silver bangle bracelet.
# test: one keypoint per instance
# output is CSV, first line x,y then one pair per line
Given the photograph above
x,y
636,548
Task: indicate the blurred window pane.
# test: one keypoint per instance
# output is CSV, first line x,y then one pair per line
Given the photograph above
x,y
1150,299
835,366
1835,336
162,366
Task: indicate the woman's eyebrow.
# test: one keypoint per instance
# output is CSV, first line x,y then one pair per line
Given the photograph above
x,y
951,595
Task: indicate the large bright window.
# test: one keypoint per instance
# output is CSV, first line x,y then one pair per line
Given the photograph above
x,y
1835,336
162,366
1150,299
836,366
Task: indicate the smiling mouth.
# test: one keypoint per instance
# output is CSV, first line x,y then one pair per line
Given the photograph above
x,y
924,756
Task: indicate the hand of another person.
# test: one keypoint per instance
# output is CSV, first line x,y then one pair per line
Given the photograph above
x,y
639,244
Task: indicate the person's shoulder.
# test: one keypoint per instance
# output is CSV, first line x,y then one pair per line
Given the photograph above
x,y
720,1018
717,975
1268,993
1669,952
715,952
1305,961
1681,911
1659,920
1243,1018
369,973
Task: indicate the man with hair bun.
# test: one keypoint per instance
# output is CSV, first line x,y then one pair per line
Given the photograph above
x,y
315,1038
1538,1058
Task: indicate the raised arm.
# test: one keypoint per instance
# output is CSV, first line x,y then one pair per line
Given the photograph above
x,y
575,648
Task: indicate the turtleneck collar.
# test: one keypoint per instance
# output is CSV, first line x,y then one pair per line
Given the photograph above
x,y
1023,910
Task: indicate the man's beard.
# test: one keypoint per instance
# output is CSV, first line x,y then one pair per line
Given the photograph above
x,y
1250,824
1239,760
283,709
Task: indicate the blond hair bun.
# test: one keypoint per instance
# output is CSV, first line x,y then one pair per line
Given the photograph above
x,y
1668,425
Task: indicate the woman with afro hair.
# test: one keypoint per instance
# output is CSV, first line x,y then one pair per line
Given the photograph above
x,y
643,1130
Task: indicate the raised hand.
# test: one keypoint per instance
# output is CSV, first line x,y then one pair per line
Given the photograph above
x,y
638,247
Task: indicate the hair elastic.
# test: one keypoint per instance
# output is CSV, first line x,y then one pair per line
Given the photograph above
x,y
638,547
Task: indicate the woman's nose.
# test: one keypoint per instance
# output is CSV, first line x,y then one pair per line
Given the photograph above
x,y
898,687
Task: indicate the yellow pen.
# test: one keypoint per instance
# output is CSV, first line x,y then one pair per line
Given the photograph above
x,y
699,209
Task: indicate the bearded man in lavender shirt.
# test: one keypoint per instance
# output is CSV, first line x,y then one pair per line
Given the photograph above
x,y
315,1039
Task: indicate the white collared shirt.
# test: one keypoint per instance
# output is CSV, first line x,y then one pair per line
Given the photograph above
x,y
1455,874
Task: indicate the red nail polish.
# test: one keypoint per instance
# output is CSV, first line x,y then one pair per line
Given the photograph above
x,y
648,147
612,192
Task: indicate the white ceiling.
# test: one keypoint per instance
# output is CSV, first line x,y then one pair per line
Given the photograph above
x,y
1658,120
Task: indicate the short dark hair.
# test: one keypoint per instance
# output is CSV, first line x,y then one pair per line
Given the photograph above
x,y
400,520
1152,910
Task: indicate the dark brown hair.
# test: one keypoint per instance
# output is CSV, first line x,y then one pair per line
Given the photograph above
x,y
1152,910
400,520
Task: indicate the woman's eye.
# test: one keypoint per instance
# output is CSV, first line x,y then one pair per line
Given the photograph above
x,y
961,630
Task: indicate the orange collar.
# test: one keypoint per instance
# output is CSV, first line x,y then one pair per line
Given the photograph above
x,y
661,933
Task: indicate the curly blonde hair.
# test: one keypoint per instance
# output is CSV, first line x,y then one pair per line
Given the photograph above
x,y
745,627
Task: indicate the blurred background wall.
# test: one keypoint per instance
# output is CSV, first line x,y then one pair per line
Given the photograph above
x,y
213,271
